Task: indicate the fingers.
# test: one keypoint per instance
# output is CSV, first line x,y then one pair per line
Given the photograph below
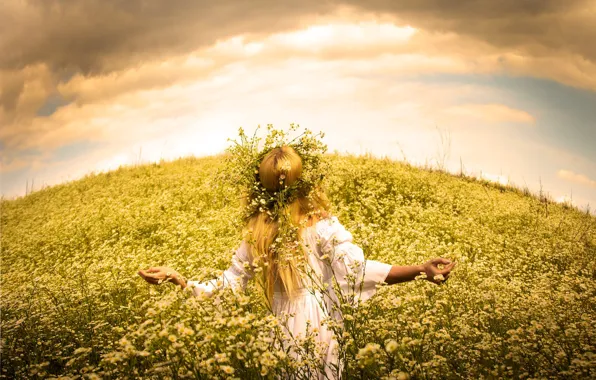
x,y
153,281
440,260
447,269
444,273
144,273
150,278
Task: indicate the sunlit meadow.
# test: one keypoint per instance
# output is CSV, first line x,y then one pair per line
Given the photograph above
x,y
519,304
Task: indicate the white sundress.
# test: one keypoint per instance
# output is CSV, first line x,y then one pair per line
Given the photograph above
x,y
327,237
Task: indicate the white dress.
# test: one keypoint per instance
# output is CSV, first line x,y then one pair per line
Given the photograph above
x,y
332,253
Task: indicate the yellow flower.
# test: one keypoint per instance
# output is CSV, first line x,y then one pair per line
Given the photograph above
x,y
391,346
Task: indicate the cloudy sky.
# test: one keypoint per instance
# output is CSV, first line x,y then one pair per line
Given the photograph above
x,y
506,88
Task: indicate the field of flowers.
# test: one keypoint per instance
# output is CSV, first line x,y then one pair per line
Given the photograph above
x,y
519,304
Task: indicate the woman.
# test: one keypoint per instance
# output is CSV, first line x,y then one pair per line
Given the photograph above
x,y
298,279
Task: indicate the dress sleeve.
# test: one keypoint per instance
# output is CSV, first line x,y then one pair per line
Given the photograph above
x,y
356,276
237,275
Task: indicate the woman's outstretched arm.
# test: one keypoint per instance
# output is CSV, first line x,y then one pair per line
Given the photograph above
x,y
157,275
237,274
431,268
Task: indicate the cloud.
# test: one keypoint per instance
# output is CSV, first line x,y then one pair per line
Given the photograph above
x,y
23,92
357,50
491,113
531,27
135,31
93,97
151,75
15,164
355,35
90,37
547,39
576,177
182,117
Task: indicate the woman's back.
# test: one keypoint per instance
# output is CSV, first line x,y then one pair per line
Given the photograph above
x,y
332,256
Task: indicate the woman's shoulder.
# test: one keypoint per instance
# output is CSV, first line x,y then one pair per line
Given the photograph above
x,y
327,222
324,226
331,228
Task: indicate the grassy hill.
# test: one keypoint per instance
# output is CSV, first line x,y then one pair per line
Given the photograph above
x,y
519,304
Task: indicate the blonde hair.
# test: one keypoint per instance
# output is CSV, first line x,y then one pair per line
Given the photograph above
x,y
281,167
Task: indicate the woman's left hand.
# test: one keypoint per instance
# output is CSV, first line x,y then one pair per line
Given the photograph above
x,y
158,275
435,274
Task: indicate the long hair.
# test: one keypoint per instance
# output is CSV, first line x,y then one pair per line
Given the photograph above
x,y
283,167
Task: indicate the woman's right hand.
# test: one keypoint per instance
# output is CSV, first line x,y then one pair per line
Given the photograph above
x,y
158,275
431,268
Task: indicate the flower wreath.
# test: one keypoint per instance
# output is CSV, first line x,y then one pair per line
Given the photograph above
x,y
244,158
242,169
